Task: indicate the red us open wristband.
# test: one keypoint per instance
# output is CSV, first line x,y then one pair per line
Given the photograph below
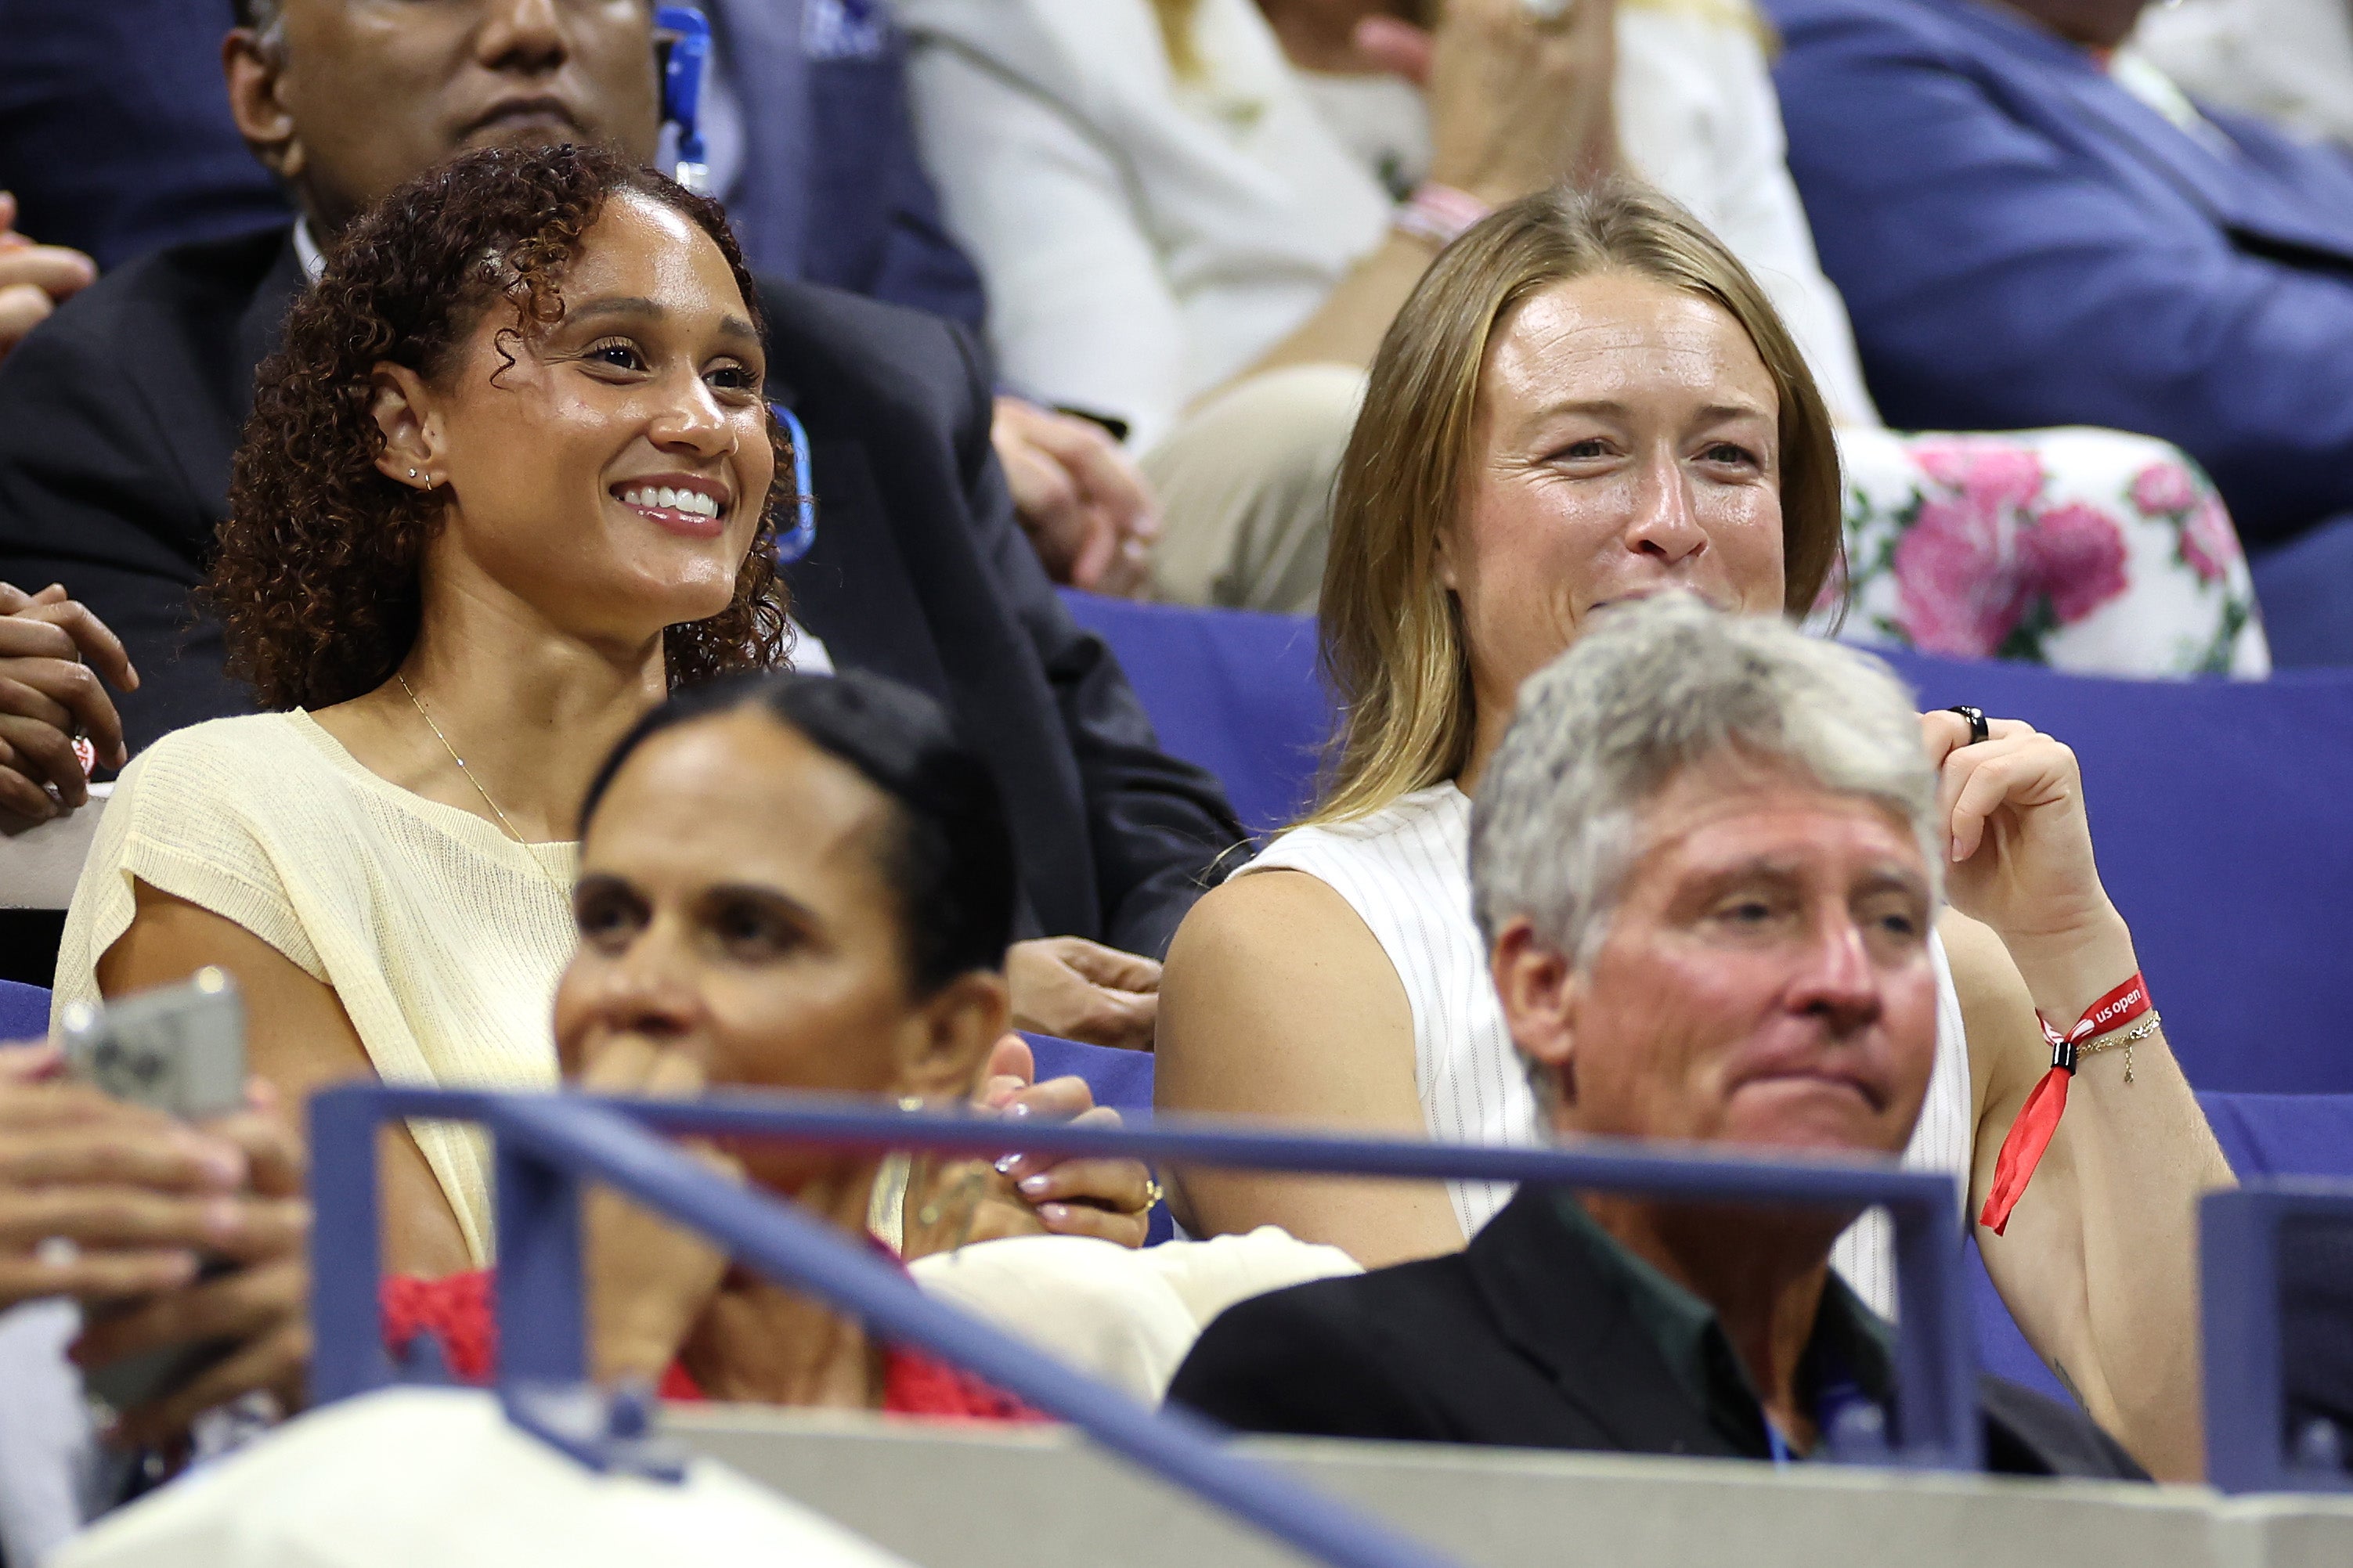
x,y
2037,1119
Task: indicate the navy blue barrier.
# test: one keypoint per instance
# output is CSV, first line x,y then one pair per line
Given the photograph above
x,y
2220,809
549,1145
2277,1256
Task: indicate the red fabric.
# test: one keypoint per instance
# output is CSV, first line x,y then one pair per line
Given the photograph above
x,y
455,1310
459,1310
2037,1119
2021,1151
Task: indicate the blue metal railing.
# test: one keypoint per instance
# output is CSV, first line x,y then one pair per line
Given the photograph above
x,y
2249,1445
548,1146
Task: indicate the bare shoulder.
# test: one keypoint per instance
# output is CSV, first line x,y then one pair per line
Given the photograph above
x,y
1291,912
298,1033
1273,935
1271,971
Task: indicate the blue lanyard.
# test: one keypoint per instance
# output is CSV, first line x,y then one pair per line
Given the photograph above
x,y
796,541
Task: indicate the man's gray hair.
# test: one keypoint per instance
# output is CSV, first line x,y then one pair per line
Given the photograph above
x,y
264,18
1655,688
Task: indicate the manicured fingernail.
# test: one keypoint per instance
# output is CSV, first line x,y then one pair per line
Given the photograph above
x,y
1018,1108
1005,1166
1054,1214
1036,1186
225,1167
223,1219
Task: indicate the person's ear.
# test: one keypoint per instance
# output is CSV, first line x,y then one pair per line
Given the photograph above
x,y
1539,990
1443,565
255,70
949,1037
402,406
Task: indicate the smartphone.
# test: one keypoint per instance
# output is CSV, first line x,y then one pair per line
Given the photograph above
x,y
179,1049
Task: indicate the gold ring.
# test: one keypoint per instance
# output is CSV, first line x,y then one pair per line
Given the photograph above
x,y
1153,1194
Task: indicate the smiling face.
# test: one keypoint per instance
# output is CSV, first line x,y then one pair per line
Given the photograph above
x,y
364,95
1764,980
613,476
733,905
1626,440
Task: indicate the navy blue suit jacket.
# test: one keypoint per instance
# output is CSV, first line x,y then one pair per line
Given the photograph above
x,y
114,129
2021,242
831,189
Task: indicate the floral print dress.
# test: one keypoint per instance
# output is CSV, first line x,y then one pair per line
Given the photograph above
x,y
2085,550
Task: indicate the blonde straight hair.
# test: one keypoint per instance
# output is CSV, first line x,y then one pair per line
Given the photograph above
x,y
1392,646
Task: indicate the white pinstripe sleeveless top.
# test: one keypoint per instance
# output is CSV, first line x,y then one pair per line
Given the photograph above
x,y
1406,871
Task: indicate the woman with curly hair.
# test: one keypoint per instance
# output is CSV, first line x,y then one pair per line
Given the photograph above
x,y
511,479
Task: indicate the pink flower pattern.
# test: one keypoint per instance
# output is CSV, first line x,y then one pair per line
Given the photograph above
x,y
2164,488
1993,546
2208,543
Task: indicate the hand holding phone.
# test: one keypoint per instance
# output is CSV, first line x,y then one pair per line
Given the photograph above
x,y
180,1050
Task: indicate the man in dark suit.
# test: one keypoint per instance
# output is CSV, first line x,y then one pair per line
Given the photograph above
x,y
118,417
2031,227
116,134
1705,856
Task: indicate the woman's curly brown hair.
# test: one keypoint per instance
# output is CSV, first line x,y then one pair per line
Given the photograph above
x,y
317,580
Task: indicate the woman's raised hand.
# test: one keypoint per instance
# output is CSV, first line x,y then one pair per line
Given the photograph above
x,y
1033,1194
649,1280
1517,101
56,662
2019,858
2019,845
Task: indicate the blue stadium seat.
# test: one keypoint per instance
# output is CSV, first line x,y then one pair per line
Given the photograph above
x,y
24,1011
2220,808
1233,690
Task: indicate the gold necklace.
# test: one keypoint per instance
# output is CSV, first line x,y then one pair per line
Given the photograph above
x,y
454,757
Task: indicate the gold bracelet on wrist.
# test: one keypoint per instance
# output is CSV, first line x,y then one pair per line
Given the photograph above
x,y
2128,1038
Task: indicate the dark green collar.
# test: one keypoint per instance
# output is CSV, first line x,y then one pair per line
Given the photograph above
x,y
1849,1354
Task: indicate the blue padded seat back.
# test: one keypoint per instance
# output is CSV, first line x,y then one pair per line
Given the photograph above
x,y
1234,691
24,1011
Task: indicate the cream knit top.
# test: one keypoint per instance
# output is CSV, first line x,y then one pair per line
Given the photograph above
x,y
442,937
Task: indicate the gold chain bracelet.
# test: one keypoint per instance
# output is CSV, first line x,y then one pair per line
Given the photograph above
x,y
2128,1038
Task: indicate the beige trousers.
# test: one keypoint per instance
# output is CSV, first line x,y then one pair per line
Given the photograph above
x,y
1245,489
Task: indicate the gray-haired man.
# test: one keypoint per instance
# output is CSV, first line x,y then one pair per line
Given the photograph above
x,y
1705,859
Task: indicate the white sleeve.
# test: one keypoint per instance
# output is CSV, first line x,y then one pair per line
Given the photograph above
x,y
1765,224
1079,310
1698,116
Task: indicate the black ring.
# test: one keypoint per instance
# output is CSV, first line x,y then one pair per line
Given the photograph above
x,y
1979,729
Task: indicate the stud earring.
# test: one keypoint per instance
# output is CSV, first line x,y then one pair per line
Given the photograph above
x,y
412,473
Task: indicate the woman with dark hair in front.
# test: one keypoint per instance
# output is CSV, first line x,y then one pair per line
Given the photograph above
x,y
789,882
796,883
509,480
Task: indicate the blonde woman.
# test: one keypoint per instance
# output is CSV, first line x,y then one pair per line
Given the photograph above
x,y
1199,216
1587,400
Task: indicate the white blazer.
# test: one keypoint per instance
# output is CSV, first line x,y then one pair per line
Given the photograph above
x,y
1144,237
